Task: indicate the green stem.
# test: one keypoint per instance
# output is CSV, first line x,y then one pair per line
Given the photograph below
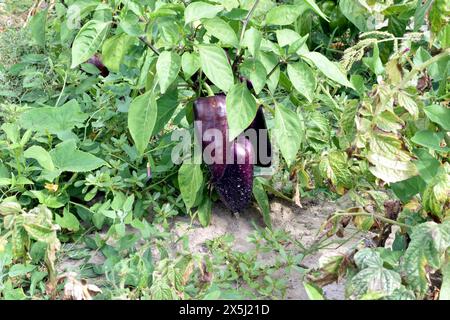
x,y
208,89
373,215
422,67
244,26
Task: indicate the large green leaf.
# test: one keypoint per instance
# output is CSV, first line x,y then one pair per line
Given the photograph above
x,y
221,30
141,119
374,62
283,15
167,68
256,72
167,104
190,63
425,253
270,60
444,294
391,162
199,10
288,131
313,5
88,40
68,221
215,65
190,180
38,27
356,13
114,50
439,114
54,120
328,68
66,157
373,279
437,194
252,39
432,140
41,156
241,109
303,79
335,167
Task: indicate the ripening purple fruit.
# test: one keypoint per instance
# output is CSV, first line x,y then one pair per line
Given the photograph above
x,y
96,60
235,186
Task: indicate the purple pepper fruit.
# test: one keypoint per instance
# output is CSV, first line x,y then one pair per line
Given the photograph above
x,y
233,180
96,60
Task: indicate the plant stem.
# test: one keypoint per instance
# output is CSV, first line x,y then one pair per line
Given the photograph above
x,y
273,69
373,215
148,44
244,26
422,67
208,89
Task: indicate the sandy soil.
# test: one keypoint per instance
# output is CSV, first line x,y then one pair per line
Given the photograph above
x,y
301,223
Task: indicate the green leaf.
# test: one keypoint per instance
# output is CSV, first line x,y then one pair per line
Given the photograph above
x,y
373,279
356,13
199,10
408,188
215,65
444,293
241,109
167,104
54,120
204,211
407,102
426,164
255,72
328,68
425,253
270,60
335,167
252,39
130,24
88,40
68,221
286,37
303,79
141,119
374,63
419,15
368,258
221,30
288,131
263,201
114,50
190,180
19,270
167,68
313,292
438,15
391,162
66,157
283,15
190,63
41,156
437,194
312,4
430,139
38,27
11,293
439,114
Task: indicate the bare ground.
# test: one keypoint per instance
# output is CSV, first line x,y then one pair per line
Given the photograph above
x,y
302,223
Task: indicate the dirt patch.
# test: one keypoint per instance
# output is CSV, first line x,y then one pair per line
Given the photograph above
x,y
302,223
